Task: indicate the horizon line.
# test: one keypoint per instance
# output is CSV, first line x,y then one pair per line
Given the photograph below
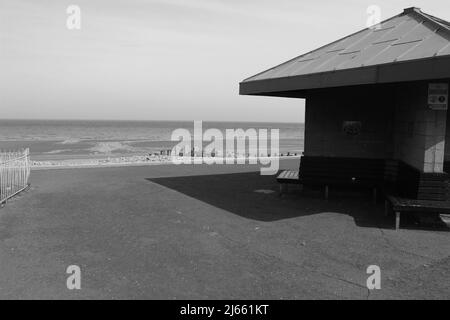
x,y
136,120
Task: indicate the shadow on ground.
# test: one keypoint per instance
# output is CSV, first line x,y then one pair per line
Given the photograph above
x,y
255,197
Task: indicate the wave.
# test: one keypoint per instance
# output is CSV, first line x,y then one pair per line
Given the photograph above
x,y
70,141
58,151
110,147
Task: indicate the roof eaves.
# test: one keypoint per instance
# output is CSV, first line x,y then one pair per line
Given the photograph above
x,y
393,72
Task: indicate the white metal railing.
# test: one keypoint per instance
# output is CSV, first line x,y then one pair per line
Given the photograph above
x,y
14,173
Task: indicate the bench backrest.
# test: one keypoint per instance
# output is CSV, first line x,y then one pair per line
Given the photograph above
x,y
414,184
405,180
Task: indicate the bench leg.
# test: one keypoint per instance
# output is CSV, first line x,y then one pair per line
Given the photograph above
x,y
397,220
327,192
281,189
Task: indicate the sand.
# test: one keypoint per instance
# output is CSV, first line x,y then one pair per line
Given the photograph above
x,y
134,160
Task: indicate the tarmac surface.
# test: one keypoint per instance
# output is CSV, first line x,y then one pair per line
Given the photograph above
x,y
209,232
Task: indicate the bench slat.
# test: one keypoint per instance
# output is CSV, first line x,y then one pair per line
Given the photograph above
x,y
288,176
413,205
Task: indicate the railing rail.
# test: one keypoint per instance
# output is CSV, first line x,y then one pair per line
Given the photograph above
x,y
14,173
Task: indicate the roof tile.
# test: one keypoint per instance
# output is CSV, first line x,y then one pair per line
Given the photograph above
x,y
408,36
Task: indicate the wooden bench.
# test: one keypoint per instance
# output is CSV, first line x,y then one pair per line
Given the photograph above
x,y
417,192
404,205
406,189
287,178
336,172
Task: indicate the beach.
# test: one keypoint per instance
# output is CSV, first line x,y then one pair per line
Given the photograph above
x,y
207,232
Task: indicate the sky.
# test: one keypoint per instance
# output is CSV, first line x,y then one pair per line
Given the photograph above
x,y
165,59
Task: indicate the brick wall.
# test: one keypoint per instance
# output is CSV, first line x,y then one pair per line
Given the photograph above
x,y
419,132
396,124
410,126
447,137
326,112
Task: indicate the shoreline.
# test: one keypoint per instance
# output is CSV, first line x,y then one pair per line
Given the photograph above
x,y
137,162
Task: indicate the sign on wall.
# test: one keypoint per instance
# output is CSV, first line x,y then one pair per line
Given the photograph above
x,y
352,128
438,96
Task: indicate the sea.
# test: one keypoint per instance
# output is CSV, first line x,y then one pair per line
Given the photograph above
x,y
81,139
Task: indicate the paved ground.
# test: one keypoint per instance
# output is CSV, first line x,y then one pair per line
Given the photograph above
x,y
203,232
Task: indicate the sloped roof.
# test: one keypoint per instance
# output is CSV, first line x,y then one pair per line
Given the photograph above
x,y
382,53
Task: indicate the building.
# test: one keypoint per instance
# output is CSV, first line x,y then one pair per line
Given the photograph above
x,y
381,93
